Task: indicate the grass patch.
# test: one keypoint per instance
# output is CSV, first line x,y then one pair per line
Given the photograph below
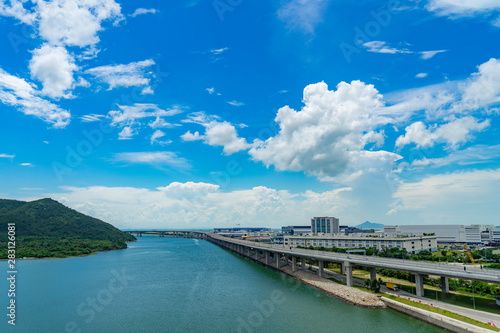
x,y
483,303
365,289
336,281
443,312
459,297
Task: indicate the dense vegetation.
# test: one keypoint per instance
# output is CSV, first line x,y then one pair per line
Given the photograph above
x,y
445,255
480,288
46,228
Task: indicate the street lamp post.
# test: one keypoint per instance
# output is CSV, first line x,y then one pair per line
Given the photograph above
x,y
436,285
473,300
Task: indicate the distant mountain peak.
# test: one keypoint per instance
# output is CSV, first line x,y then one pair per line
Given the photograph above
x,y
370,225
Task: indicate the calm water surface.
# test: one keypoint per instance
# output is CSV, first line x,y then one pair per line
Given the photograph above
x,y
179,285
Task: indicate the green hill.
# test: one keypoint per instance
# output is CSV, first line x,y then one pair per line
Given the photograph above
x,y
46,228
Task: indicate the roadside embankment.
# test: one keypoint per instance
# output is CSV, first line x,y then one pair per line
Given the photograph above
x,y
437,319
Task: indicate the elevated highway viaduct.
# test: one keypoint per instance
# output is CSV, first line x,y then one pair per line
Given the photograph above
x,y
278,255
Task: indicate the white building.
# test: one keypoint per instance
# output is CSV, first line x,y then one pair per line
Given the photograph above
x,y
411,244
446,234
325,225
495,237
296,229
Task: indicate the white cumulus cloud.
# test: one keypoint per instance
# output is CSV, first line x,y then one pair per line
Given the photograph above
x,y
462,7
134,74
54,67
88,118
217,133
430,54
482,88
126,133
143,11
382,47
235,103
129,114
128,117
303,15
328,135
472,155
61,24
158,158
17,92
157,135
16,10
199,205
75,22
7,156
452,198
453,133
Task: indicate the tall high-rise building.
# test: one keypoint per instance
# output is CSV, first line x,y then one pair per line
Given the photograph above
x,y
325,225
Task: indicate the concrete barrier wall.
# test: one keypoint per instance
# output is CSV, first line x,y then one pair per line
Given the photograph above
x,y
434,318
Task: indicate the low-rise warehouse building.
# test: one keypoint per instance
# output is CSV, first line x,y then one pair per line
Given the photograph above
x,y
411,244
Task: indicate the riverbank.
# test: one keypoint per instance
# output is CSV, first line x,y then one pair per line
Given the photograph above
x,y
65,257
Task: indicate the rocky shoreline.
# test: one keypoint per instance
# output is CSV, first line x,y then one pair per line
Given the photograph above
x,y
347,294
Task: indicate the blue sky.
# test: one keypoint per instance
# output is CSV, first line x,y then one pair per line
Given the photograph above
x,y
212,113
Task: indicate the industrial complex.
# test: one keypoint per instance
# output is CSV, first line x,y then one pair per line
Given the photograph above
x,y
326,231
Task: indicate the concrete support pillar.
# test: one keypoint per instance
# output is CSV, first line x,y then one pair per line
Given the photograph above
x,y
286,259
342,270
445,286
277,255
267,257
320,268
348,273
248,252
419,284
373,273
294,264
303,263
256,254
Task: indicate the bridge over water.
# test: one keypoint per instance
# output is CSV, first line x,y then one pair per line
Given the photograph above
x,y
278,256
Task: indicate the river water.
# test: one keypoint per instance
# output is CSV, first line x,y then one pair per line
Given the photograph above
x,y
179,285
